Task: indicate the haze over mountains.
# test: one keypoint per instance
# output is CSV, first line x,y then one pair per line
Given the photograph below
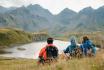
x,y
35,18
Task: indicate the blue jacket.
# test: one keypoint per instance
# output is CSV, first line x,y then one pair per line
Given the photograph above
x,y
70,48
88,45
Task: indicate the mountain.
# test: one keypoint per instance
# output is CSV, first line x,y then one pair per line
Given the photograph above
x,y
99,16
3,9
89,19
24,19
65,16
38,10
87,11
36,18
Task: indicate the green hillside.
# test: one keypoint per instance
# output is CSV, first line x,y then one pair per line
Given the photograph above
x,y
9,37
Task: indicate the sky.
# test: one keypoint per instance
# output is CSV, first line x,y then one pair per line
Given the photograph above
x,y
55,6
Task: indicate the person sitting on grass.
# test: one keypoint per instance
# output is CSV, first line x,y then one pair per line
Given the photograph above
x,y
88,47
48,52
70,49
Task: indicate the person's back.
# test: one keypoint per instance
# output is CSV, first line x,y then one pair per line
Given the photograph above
x,y
88,45
49,51
71,47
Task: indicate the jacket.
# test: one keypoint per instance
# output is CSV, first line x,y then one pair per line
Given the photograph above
x,y
43,52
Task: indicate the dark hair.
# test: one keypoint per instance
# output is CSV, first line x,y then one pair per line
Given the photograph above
x,y
50,40
85,38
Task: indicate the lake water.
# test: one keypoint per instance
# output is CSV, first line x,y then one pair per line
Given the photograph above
x,y
31,50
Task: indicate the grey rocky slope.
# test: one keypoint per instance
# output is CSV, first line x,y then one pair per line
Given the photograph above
x,y
36,18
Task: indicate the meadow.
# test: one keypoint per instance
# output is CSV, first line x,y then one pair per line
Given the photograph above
x,y
86,63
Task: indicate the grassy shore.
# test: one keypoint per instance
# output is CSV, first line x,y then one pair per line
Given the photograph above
x,y
88,63
10,37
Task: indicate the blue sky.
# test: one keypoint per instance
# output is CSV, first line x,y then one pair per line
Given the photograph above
x,y
55,6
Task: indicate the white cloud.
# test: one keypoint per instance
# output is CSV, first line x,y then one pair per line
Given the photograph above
x,y
55,6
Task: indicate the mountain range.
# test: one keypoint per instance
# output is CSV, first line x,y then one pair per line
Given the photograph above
x,y
36,18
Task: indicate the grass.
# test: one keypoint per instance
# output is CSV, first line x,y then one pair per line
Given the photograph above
x,y
88,63
11,37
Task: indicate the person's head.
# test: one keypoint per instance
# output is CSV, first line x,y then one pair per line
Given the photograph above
x,y
73,41
85,38
50,40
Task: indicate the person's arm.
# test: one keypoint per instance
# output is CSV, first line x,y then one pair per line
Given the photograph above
x,y
41,52
57,49
82,48
90,44
66,50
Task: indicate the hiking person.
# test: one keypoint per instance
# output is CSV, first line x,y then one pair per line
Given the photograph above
x,y
48,52
70,49
87,46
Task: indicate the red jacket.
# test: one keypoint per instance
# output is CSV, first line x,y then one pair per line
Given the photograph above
x,y
43,51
